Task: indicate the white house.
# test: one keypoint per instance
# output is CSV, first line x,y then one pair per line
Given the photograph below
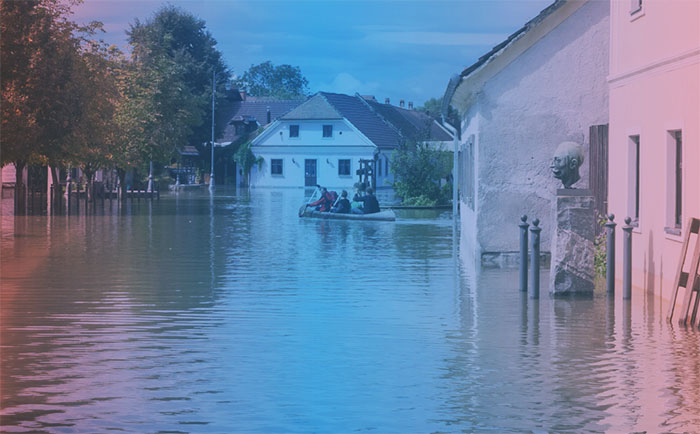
x,y
323,140
543,85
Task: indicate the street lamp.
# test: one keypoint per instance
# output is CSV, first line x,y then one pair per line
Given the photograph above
x,y
213,93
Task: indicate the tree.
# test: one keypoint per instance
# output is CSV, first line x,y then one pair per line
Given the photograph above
x,y
418,170
433,108
266,79
176,45
40,53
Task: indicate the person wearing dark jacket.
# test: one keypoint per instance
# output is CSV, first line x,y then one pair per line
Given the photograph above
x,y
325,203
370,205
343,205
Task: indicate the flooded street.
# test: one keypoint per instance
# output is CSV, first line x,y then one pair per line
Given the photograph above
x,y
231,314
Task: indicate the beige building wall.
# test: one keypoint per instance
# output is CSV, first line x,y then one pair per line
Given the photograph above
x,y
654,92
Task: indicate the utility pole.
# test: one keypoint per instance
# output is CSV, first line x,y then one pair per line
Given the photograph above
x,y
213,93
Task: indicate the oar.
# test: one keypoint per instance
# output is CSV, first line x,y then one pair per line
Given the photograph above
x,y
303,207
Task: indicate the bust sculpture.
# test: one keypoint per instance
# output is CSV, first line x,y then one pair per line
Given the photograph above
x,y
567,159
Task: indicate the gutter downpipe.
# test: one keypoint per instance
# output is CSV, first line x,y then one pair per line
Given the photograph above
x,y
446,99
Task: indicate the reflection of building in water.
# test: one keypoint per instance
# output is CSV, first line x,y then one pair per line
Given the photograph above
x,y
654,116
545,84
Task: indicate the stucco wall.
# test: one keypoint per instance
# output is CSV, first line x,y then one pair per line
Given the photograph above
x,y
654,89
551,93
346,143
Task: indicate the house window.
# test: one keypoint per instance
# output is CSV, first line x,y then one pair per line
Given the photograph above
x,y
634,178
294,131
386,166
276,166
344,167
466,184
635,6
679,179
379,167
328,131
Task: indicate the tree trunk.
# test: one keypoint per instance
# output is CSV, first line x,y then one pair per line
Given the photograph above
x,y
121,174
19,187
89,175
57,191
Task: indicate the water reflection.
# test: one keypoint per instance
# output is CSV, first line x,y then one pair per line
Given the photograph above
x,y
229,313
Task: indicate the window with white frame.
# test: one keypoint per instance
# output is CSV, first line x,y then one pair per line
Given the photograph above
x,y
634,184
635,6
674,181
294,131
328,131
276,166
344,167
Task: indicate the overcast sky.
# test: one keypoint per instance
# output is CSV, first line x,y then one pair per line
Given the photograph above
x,y
397,49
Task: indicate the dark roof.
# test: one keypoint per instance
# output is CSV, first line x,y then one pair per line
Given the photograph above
x,y
251,111
358,113
316,107
412,124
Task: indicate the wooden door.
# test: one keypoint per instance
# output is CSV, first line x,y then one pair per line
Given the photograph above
x,y
310,173
598,168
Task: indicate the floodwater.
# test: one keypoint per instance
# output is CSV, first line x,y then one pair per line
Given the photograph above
x,y
230,314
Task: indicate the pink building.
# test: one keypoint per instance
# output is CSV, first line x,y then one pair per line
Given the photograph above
x,y
654,153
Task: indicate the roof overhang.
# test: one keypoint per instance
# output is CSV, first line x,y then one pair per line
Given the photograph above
x,y
462,89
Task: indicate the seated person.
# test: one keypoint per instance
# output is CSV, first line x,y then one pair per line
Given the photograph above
x,y
325,203
370,205
343,205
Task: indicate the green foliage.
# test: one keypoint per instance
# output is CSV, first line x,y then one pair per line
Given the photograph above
x,y
433,107
266,79
418,170
177,46
245,159
600,255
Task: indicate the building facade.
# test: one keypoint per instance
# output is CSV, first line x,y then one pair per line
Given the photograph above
x,y
545,84
324,140
654,115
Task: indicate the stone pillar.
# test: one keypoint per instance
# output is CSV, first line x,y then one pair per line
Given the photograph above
x,y
572,271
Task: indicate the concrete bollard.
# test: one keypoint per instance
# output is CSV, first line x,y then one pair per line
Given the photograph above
x,y
523,252
610,253
535,259
627,260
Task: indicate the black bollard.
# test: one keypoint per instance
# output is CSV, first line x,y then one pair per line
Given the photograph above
x,y
535,259
627,260
610,253
523,252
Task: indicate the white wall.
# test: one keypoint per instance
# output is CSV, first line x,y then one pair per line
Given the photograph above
x,y
346,143
551,93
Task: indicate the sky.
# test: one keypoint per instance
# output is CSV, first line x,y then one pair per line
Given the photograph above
x,y
397,49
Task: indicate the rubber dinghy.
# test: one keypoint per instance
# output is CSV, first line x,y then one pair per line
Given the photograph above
x,y
386,215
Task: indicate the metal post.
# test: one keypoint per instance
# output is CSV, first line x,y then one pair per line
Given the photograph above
x,y
150,177
213,93
610,253
535,259
627,260
523,252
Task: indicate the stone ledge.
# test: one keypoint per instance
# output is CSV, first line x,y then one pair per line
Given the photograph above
x,y
509,259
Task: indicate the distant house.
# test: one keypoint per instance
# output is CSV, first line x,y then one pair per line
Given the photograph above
x,y
545,84
323,140
654,133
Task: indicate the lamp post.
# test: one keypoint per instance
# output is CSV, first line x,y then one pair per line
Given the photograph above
x,y
213,93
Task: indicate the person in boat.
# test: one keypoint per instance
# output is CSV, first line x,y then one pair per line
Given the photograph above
x,y
325,203
343,205
370,204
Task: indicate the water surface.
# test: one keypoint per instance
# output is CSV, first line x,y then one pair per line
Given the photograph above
x,y
229,313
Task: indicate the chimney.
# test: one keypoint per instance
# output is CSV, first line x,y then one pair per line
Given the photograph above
x,y
410,105
386,100
243,95
402,103
269,116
